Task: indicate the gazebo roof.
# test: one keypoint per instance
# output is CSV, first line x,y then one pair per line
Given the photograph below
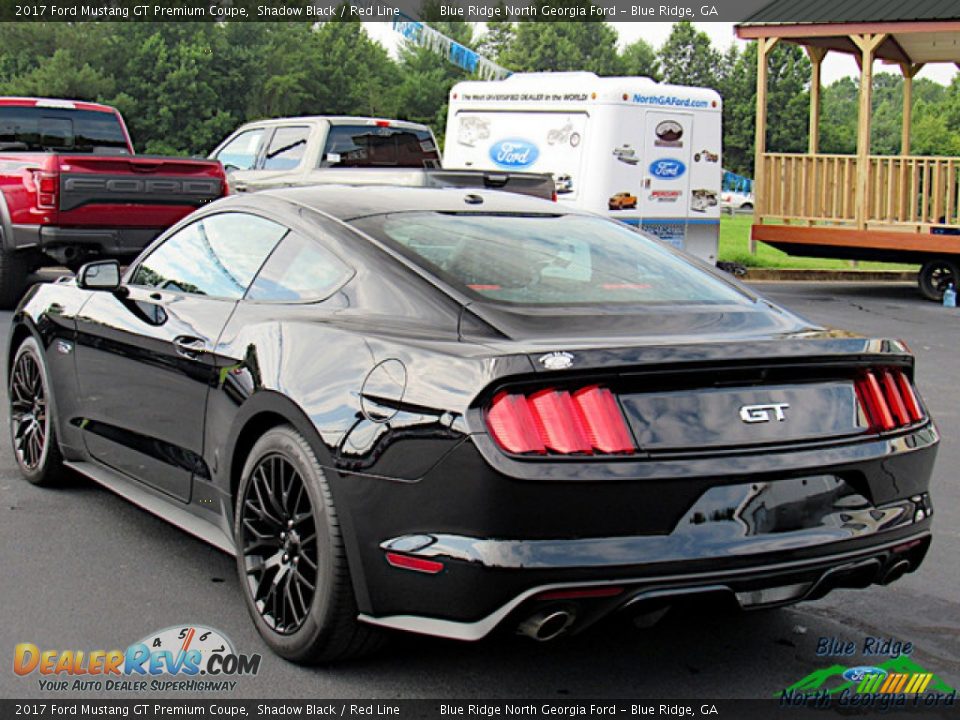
x,y
919,31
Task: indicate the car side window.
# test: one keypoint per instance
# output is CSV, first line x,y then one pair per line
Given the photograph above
x,y
217,256
241,152
300,270
286,148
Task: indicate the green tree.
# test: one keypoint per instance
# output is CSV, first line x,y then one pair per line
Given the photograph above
x,y
639,58
688,58
788,103
559,46
61,75
428,78
498,37
931,134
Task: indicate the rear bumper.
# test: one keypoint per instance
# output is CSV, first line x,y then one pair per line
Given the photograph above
x,y
766,585
110,242
793,519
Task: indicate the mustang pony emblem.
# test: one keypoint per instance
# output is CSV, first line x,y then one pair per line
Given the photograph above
x,y
557,360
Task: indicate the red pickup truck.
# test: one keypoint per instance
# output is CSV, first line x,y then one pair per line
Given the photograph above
x,y
71,189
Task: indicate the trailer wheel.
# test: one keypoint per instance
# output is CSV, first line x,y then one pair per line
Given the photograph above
x,y
935,276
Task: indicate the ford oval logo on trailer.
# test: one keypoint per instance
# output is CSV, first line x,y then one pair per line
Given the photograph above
x,y
514,153
667,168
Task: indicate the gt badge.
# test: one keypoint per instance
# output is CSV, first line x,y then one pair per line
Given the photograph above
x,y
761,413
557,360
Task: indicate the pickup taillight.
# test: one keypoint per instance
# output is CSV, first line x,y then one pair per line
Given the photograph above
x,y
46,185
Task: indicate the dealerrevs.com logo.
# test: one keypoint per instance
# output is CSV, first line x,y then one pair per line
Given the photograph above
x,y
187,658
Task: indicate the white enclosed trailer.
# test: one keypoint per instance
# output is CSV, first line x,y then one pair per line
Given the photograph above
x,y
639,151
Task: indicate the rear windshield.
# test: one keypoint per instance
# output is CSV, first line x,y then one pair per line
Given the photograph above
x,y
548,259
45,129
352,146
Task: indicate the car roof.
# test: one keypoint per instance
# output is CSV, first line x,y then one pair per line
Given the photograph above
x,y
347,202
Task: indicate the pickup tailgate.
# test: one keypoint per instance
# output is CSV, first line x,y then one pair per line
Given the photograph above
x,y
130,191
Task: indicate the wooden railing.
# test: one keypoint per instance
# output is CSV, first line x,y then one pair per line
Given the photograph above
x,y
911,192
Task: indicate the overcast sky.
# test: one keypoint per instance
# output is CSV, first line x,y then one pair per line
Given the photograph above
x,y
835,66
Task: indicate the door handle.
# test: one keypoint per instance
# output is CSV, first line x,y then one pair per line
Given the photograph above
x,y
188,346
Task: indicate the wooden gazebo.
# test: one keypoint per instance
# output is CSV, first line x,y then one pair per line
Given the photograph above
x,y
864,206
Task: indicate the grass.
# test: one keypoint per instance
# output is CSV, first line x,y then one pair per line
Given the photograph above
x,y
735,247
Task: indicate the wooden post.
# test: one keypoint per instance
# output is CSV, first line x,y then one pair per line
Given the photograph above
x,y
816,55
909,70
868,45
764,46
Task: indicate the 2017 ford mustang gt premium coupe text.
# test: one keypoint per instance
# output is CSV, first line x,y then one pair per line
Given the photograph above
x,y
448,413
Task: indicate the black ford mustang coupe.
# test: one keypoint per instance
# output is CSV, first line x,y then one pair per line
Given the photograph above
x,y
448,412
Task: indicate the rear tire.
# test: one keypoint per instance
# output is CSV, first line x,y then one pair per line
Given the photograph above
x,y
32,427
15,267
290,555
935,276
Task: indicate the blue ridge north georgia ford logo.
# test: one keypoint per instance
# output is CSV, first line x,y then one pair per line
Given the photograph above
x,y
514,153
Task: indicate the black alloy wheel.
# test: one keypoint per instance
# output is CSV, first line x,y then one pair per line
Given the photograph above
x,y
31,418
278,539
291,557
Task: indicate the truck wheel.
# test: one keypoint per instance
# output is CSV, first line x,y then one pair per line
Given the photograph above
x,y
14,269
935,276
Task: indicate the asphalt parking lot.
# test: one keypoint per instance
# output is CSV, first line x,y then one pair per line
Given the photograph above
x,y
82,569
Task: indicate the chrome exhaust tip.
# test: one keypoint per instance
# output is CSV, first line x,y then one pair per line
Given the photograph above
x,y
547,624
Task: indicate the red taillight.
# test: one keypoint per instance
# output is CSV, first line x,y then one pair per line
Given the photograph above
x,y
555,197
383,123
888,400
407,562
586,422
46,185
559,422
909,398
602,419
512,425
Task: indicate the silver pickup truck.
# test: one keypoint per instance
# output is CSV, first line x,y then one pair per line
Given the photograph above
x,y
293,152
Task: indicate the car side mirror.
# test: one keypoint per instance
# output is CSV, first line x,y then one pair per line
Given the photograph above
x,y
99,275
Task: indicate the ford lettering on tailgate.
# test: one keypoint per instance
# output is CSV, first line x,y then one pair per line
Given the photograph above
x,y
667,168
514,153
79,190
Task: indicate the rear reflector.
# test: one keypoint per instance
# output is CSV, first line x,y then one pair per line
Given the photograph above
x,y
587,422
888,400
407,562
